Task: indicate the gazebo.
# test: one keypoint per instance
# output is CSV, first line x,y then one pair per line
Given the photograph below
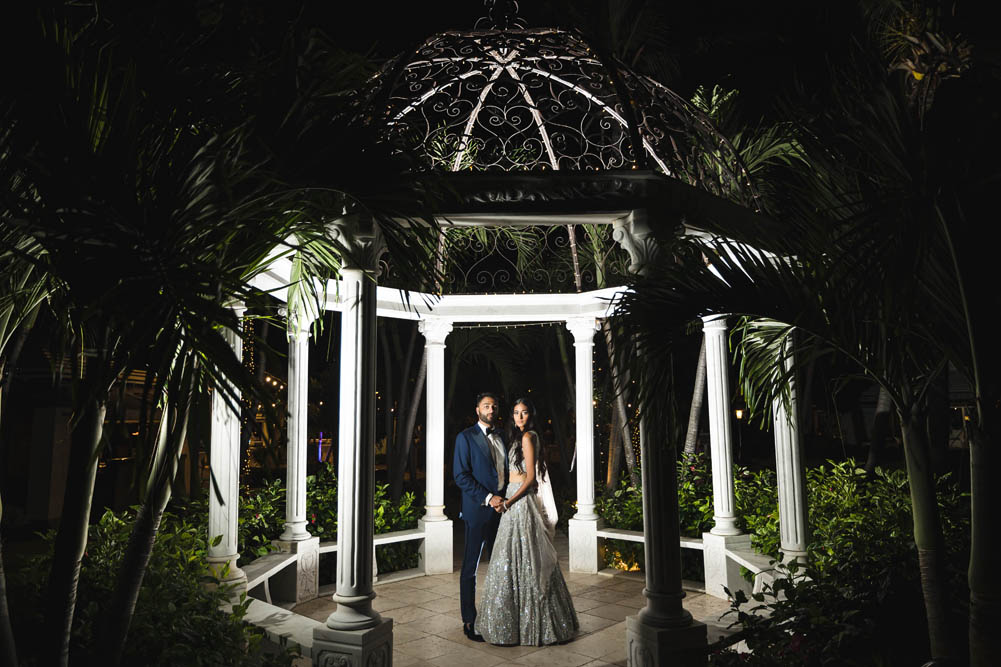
x,y
527,127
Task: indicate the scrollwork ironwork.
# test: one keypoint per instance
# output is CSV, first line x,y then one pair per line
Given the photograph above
x,y
526,259
518,99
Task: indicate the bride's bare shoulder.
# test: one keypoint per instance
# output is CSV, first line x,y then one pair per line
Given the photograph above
x,y
530,438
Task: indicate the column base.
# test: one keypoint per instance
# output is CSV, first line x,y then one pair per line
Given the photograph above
x,y
583,545
650,646
225,569
436,551
353,613
725,525
294,532
372,646
720,570
299,583
789,555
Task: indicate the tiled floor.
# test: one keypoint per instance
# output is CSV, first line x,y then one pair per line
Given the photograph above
x,y
427,629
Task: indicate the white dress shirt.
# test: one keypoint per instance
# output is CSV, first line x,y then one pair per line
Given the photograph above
x,y
498,455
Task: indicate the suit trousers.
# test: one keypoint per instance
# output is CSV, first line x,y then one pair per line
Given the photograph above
x,y
479,535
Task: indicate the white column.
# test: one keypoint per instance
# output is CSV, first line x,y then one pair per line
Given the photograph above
x,y
354,633
583,526
298,395
436,551
793,533
583,329
720,442
663,632
356,456
224,459
435,331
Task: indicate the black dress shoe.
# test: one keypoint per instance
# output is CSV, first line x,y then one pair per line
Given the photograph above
x,y
467,629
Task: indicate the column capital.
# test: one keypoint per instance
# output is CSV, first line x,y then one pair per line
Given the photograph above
x,y
239,308
583,329
359,240
435,330
298,320
634,235
713,322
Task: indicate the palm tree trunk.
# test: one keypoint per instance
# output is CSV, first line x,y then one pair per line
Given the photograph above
x,y
927,533
614,455
453,375
170,440
620,381
985,586
8,648
937,423
559,432
71,539
880,430
565,359
9,362
388,396
627,443
698,398
407,433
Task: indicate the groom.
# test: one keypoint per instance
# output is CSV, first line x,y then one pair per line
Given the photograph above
x,y
480,471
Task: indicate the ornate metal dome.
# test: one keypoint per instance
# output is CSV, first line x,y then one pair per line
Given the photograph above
x,y
516,99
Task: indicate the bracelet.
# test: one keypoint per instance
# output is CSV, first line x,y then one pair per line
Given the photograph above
x,y
504,503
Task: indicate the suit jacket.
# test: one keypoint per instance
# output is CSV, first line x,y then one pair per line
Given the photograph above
x,y
475,474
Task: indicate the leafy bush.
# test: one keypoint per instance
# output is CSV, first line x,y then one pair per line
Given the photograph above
x,y
860,602
805,619
390,516
262,519
177,620
623,509
321,503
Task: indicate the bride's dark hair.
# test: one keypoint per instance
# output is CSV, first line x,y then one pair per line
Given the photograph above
x,y
514,436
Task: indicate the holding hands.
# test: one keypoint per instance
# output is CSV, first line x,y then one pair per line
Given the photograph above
x,y
499,504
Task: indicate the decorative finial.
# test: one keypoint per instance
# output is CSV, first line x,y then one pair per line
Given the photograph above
x,y
501,15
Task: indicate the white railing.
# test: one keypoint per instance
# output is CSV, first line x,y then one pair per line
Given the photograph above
x,y
260,571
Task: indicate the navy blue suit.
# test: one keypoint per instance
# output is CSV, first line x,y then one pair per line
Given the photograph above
x,y
476,476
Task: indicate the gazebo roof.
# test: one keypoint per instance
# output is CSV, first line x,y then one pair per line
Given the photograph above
x,y
515,99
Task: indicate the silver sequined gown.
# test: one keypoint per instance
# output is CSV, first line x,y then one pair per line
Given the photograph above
x,y
524,598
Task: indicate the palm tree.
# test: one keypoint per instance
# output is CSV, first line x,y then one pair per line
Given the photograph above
x,y
868,263
24,291
154,219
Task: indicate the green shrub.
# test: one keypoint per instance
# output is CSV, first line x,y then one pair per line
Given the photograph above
x,y
262,518
622,509
321,503
805,621
177,619
861,602
390,516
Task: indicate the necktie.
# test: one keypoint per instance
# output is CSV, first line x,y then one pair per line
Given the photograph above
x,y
497,454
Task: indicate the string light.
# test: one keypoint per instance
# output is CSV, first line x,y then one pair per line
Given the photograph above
x,y
521,325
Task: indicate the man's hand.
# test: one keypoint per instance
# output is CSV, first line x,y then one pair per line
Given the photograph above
x,y
497,503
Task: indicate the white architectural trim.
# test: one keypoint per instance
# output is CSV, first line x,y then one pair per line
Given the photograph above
x,y
398,304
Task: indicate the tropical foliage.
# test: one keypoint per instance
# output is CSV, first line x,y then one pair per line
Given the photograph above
x,y
860,604
154,199
262,517
178,620
872,261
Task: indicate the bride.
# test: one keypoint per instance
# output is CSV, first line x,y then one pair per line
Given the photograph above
x,y
525,599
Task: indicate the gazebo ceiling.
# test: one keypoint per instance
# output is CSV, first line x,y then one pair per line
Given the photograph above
x,y
516,99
